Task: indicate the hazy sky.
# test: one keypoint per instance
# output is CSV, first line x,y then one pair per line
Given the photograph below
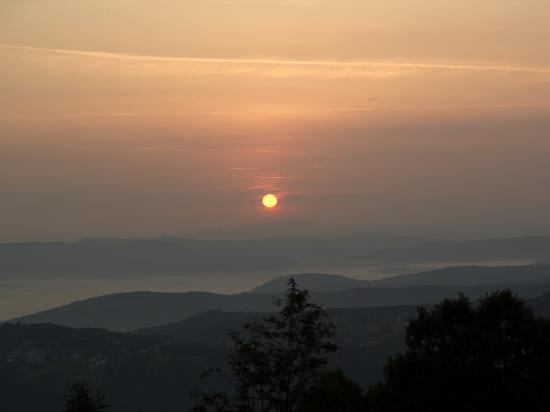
x,y
141,118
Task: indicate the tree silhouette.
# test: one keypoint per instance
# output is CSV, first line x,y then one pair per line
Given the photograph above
x,y
333,391
82,399
275,362
465,357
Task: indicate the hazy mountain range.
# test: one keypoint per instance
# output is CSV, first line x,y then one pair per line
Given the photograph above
x,y
286,254
133,310
450,276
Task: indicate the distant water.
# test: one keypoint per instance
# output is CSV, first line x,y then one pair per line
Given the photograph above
x,y
22,297
31,295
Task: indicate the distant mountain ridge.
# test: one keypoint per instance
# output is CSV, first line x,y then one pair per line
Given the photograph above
x,y
470,275
179,256
315,282
450,276
133,310
212,326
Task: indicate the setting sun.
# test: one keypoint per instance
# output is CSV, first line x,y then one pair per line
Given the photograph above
x,y
270,201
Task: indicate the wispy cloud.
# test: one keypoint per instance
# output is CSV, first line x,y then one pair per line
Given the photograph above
x,y
242,168
474,106
280,177
277,67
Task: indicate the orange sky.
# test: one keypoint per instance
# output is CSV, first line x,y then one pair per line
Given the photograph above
x,y
140,118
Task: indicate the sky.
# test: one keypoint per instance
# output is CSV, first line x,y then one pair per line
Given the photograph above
x,y
172,117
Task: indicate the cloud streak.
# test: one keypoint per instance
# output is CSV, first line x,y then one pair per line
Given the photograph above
x,y
277,67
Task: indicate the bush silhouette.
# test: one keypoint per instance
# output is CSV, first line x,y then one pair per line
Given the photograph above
x,y
333,391
464,357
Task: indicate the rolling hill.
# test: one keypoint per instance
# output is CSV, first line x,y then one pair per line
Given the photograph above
x,y
450,276
133,310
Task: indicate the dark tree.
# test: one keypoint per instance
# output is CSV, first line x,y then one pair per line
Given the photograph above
x,y
81,398
333,391
464,357
275,362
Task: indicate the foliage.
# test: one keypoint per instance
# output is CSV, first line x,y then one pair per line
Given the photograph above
x,y
82,399
466,357
333,391
275,362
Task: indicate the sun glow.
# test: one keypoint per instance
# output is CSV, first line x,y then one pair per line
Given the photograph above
x,y
269,201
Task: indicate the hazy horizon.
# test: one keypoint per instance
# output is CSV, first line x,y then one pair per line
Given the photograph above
x,y
141,118
220,234
40,276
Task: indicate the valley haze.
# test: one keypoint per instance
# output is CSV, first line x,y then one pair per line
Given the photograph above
x,y
56,273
